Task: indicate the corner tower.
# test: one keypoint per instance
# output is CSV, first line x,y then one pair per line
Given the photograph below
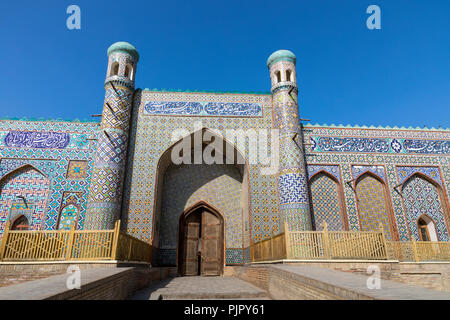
x,y
292,177
105,190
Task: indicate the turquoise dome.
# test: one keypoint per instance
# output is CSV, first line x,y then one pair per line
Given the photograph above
x,y
281,55
124,47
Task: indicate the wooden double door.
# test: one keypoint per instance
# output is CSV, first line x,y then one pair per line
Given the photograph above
x,y
201,243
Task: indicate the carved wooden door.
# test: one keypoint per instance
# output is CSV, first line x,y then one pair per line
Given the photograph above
x,y
212,245
191,245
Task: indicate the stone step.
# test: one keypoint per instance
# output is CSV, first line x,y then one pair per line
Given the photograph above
x,y
202,288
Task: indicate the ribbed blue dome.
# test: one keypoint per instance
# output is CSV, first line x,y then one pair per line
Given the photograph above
x,y
124,47
281,55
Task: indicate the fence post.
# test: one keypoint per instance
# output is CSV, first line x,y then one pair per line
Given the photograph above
x,y
271,245
115,240
287,241
4,240
326,241
414,246
383,237
70,244
129,249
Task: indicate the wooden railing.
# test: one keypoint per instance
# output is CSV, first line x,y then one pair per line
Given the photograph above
x,y
270,249
355,245
335,244
72,245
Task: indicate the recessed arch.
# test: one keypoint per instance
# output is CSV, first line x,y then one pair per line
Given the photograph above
x,y
422,196
289,75
372,202
278,76
30,185
128,72
427,228
327,201
20,223
114,69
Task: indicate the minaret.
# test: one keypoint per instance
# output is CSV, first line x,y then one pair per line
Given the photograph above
x,y
105,190
292,177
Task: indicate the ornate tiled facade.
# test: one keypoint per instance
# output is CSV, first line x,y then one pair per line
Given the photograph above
x,y
58,173
46,163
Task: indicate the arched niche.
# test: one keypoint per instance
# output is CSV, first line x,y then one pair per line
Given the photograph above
x,y
373,205
424,197
327,202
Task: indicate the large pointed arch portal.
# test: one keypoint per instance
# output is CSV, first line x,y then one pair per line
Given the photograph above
x,y
222,189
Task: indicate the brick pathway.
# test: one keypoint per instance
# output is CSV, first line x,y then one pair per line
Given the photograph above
x,y
201,288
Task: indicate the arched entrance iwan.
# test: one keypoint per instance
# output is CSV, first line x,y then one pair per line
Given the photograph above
x,y
222,188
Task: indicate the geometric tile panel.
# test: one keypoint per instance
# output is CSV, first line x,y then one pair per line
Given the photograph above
x,y
292,187
422,198
325,203
333,170
70,209
68,216
77,169
234,256
185,185
405,172
377,170
29,184
372,205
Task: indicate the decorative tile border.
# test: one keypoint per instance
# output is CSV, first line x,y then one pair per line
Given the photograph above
x,y
191,108
379,145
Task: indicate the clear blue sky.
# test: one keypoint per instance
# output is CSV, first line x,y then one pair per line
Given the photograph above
x,y
399,75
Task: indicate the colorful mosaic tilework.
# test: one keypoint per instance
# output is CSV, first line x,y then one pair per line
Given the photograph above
x,y
186,185
77,169
151,136
49,160
372,205
70,209
292,181
333,170
42,140
234,256
390,161
202,108
432,172
325,203
358,170
105,192
380,145
30,184
422,198
292,187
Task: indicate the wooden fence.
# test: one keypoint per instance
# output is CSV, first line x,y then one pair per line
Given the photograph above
x,y
73,244
355,245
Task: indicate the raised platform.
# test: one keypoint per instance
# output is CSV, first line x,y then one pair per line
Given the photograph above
x,y
105,283
284,281
432,275
12,272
